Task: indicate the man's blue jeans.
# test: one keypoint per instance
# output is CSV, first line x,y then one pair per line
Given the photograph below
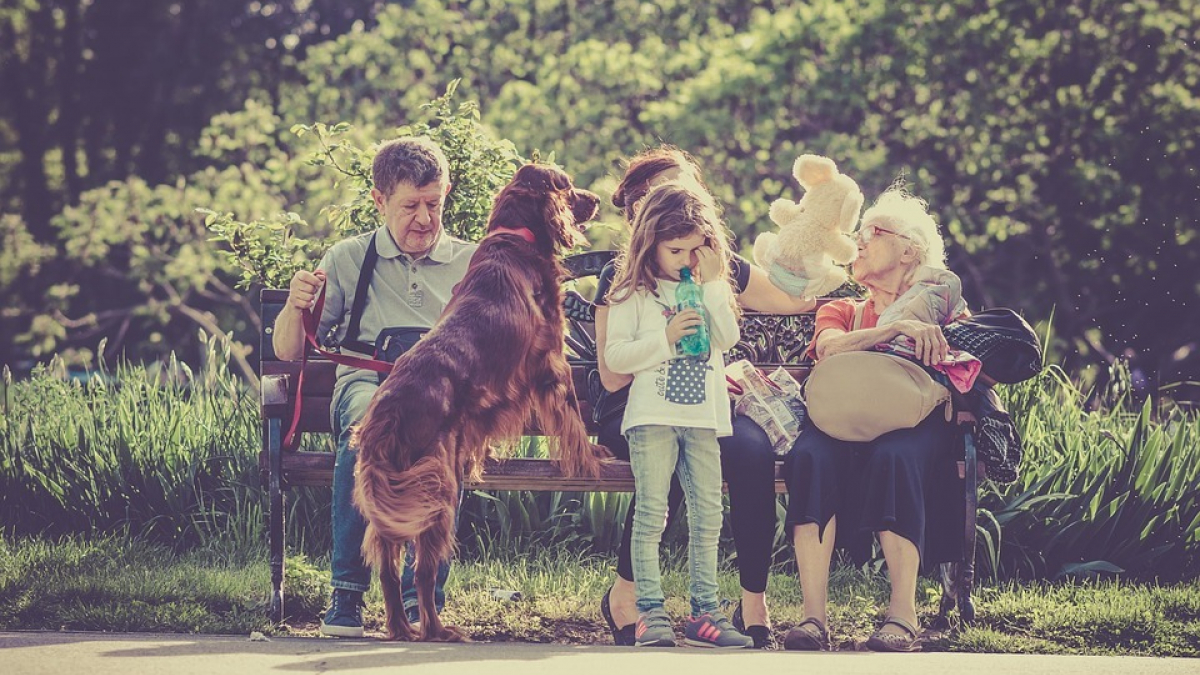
x,y
350,572
655,453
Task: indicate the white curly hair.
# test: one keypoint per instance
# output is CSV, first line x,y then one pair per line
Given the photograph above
x,y
909,217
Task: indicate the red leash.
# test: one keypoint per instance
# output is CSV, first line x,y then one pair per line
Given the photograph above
x,y
311,319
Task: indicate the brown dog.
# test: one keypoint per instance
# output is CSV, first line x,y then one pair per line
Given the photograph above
x,y
495,358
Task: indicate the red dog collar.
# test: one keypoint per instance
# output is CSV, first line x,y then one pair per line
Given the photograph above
x,y
524,232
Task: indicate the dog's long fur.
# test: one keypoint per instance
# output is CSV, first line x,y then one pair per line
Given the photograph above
x,y
495,359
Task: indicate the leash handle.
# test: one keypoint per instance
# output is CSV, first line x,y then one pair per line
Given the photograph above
x,y
311,319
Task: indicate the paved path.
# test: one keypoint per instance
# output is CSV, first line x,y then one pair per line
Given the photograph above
x,y
35,653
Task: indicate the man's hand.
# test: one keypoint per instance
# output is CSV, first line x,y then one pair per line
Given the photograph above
x,y
302,292
683,323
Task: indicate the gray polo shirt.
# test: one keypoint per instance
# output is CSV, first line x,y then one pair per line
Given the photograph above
x,y
404,291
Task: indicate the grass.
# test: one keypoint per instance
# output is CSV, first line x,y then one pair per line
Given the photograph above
x,y
113,584
170,455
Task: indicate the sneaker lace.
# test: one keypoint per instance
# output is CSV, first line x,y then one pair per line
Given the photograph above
x,y
345,601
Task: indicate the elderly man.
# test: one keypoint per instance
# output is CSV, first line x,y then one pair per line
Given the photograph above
x,y
400,276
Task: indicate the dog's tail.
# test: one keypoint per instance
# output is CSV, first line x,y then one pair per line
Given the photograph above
x,y
400,505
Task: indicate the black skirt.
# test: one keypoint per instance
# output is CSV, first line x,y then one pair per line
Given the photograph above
x,y
905,481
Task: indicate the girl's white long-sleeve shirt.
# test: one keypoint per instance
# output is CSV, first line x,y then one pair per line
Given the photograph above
x,y
668,388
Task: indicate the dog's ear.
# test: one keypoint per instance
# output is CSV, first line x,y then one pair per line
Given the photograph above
x,y
558,219
584,205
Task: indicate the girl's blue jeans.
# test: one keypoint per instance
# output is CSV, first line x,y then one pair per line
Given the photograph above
x,y
655,453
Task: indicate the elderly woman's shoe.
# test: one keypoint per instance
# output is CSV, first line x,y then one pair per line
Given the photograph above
x,y
810,635
908,641
622,636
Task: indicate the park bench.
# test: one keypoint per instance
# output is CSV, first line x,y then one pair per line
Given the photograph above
x,y
767,340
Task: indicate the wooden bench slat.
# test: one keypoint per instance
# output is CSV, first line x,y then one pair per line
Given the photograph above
x,y
517,473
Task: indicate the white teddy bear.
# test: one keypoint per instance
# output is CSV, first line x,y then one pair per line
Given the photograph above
x,y
814,233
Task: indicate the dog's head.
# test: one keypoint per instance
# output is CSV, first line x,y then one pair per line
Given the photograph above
x,y
543,199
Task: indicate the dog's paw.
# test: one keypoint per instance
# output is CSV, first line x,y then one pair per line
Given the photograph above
x,y
601,452
399,636
446,634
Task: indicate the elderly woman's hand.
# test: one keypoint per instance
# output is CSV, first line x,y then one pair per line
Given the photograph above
x,y
931,346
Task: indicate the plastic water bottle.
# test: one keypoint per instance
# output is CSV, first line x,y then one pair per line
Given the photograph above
x,y
689,295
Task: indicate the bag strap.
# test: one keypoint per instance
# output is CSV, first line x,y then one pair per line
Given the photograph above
x,y
360,299
311,318
858,315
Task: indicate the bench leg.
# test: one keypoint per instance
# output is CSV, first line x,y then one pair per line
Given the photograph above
x,y
958,578
275,531
966,606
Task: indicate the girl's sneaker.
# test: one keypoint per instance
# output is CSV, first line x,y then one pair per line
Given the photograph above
x,y
714,630
654,629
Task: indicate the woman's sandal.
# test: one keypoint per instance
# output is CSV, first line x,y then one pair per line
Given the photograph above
x,y
804,639
895,642
623,636
763,639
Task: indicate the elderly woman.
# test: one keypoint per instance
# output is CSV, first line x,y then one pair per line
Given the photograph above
x,y
898,486
747,459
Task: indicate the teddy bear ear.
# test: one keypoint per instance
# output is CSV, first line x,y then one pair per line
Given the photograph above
x,y
812,170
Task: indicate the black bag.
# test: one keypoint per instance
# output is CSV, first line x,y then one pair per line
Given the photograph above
x,y
1002,340
610,405
392,342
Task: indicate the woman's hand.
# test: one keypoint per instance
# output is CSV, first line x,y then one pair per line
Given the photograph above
x,y
683,323
708,264
931,347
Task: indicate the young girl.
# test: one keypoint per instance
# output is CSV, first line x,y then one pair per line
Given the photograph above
x,y
678,405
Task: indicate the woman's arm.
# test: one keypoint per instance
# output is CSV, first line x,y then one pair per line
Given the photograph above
x,y
611,381
763,296
930,344
723,324
835,340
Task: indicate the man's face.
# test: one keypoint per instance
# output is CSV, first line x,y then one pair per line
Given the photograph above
x,y
413,215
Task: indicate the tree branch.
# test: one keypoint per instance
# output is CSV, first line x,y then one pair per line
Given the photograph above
x,y
207,323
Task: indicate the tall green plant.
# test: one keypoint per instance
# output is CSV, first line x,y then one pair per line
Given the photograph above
x,y
1106,491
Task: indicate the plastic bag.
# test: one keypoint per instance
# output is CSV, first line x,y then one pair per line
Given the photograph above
x,y
773,401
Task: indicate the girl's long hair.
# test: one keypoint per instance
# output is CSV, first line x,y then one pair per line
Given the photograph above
x,y
669,211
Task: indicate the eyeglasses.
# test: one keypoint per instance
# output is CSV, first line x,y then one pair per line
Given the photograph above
x,y
866,234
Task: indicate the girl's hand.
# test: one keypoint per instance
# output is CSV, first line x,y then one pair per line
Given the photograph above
x,y
683,323
931,347
708,264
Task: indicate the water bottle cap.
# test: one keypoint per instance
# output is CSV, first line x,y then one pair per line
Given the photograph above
x,y
685,274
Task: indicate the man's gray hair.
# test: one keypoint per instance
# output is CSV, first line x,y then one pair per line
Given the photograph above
x,y
415,160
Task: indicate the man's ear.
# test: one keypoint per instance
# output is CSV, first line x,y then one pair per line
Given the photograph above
x,y
379,198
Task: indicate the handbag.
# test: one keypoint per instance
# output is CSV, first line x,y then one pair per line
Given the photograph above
x,y
859,396
610,405
1005,343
